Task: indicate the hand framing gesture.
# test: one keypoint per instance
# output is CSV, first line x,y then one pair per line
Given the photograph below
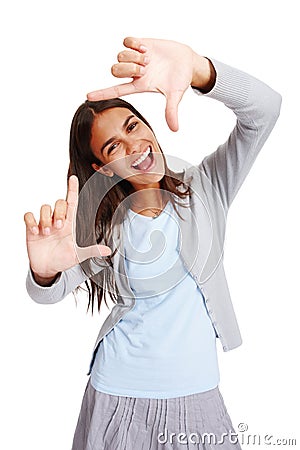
x,y
157,65
50,244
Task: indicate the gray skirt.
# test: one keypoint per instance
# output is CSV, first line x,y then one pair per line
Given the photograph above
x,y
112,422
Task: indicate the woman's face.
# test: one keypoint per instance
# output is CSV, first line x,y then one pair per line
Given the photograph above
x,y
127,147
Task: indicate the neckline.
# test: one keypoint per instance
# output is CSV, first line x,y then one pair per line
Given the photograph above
x,y
149,217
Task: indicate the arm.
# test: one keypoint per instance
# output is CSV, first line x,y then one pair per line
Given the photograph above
x,y
65,283
257,108
170,68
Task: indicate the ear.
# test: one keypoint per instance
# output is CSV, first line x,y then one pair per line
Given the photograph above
x,y
102,169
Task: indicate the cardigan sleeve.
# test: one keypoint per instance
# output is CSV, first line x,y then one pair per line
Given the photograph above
x,y
257,108
68,280
65,283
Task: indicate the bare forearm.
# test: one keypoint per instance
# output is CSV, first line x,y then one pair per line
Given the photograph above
x,y
44,281
204,74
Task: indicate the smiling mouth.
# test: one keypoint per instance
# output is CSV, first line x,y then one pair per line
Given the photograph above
x,y
145,161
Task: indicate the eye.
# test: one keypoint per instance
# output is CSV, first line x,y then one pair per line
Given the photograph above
x,y
131,126
112,148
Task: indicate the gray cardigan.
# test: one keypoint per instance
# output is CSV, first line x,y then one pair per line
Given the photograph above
x,y
214,184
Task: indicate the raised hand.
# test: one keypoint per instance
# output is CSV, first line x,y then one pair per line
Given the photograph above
x,y
51,244
155,65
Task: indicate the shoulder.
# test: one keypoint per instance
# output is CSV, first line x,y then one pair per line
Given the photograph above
x,y
192,175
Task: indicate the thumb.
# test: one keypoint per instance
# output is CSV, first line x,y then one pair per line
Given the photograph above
x,y
171,113
93,251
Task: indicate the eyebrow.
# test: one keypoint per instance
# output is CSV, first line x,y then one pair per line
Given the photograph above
x,y
109,141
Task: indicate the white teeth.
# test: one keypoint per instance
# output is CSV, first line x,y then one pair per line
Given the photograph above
x,y
141,158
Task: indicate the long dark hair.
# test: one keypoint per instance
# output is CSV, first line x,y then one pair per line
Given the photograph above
x,y
94,220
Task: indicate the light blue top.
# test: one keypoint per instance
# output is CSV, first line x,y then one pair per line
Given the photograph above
x,y
165,346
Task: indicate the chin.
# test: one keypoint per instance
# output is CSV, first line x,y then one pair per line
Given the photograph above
x,y
146,179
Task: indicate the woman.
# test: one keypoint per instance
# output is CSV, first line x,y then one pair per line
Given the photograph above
x,y
154,373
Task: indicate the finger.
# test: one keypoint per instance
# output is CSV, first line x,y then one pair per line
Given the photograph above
x,y
31,224
135,44
46,219
112,92
72,197
127,70
59,214
94,251
127,56
171,112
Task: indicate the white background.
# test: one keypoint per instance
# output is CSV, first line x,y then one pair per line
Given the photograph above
x,y
52,54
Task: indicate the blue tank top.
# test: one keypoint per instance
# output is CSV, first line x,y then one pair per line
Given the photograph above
x,y
166,345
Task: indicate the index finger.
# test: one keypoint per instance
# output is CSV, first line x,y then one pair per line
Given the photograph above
x,y
134,44
72,196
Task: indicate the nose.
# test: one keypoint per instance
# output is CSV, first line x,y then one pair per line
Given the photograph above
x,y
132,146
